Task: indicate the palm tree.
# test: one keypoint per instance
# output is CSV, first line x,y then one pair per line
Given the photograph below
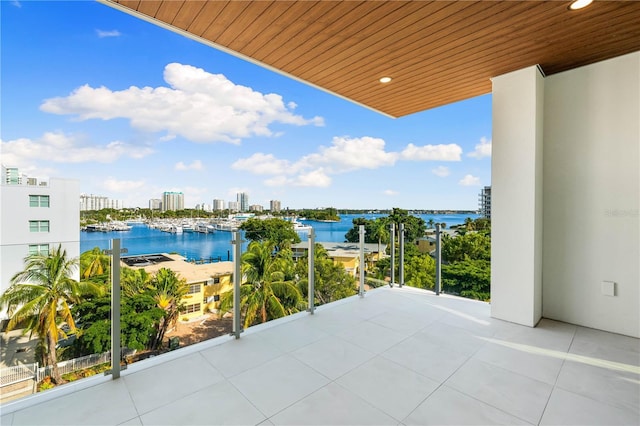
x,y
268,293
431,223
40,297
168,290
134,281
94,265
381,232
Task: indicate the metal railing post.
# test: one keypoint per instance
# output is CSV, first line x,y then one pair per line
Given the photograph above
x,y
401,260
312,270
115,308
438,258
237,279
393,254
361,232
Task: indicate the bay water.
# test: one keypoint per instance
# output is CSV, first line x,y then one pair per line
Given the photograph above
x,y
217,245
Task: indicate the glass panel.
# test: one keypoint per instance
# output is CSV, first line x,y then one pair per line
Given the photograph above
x,y
34,226
33,201
44,226
44,201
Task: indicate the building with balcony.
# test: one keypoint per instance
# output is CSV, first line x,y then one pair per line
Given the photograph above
x,y
155,204
484,202
97,202
35,219
206,281
218,205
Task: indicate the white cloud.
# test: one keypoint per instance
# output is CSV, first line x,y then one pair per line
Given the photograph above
x,y
263,164
112,33
197,105
390,192
16,3
470,180
196,165
450,152
347,154
125,186
483,149
58,147
441,171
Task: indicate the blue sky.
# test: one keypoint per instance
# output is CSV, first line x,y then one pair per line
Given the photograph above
x,y
132,110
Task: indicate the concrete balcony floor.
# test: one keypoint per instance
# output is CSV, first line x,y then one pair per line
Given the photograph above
x,y
396,356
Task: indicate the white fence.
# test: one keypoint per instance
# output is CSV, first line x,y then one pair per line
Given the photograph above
x,y
18,373
74,364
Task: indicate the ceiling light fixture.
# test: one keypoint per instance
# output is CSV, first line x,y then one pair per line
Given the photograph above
x,y
579,4
385,79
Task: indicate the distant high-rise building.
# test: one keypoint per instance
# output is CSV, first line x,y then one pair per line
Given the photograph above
x,y
98,202
155,204
243,201
255,208
234,206
11,176
218,204
274,205
484,202
172,201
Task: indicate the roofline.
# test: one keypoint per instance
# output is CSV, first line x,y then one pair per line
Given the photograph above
x,y
224,49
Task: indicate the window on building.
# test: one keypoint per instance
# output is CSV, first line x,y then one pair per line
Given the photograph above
x,y
38,201
216,280
194,288
189,309
38,249
38,226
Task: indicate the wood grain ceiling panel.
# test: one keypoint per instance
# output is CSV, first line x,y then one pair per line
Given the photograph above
x,y
437,52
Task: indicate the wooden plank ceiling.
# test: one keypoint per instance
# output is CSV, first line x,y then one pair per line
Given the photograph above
x,y
437,52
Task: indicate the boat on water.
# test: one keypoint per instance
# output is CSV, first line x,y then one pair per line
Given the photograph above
x,y
107,227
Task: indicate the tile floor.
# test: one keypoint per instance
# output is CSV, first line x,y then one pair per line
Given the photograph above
x,y
397,357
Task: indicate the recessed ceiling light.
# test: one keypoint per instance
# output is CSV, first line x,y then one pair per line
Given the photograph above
x,y
579,4
385,79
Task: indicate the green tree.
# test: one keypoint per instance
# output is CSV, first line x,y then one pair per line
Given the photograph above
x,y
94,265
331,281
139,316
469,278
279,231
40,297
134,281
471,245
420,271
269,291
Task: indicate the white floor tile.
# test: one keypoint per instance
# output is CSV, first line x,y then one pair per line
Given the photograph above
x,y
548,334
388,386
372,337
617,388
512,393
277,384
602,352
164,383
333,322
6,419
538,365
237,356
606,339
567,408
332,405
332,356
293,335
132,422
455,338
447,406
105,404
431,359
406,323
220,404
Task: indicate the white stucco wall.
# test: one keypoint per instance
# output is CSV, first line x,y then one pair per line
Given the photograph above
x,y
63,215
592,195
516,211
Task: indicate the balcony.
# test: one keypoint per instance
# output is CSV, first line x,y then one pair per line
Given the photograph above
x,y
396,356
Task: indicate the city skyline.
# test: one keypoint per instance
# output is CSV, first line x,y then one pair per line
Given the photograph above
x,y
133,110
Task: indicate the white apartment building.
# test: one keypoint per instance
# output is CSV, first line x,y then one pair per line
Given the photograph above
x,y
218,204
255,208
98,202
243,201
274,205
155,204
234,206
172,201
36,218
484,202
